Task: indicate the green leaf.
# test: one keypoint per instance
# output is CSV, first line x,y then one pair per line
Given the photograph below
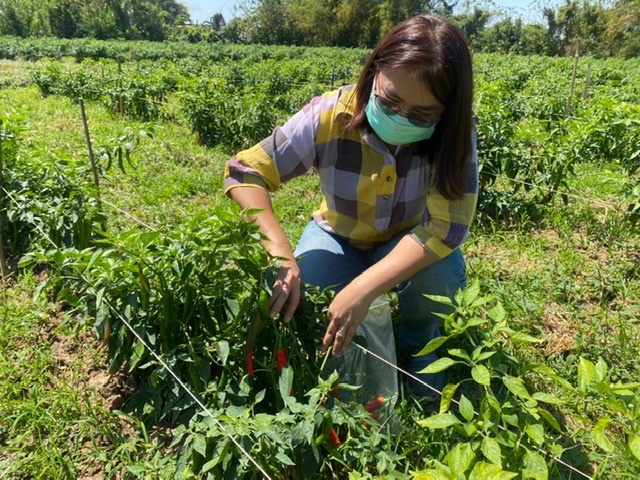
x,y
586,372
547,398
432,345
430,475
442,420
474,322
136,355
523,337
601,370
223,351
535,432
551,420
625,386
459,353
459,459
599,438
484,356
490,471
516,386
284,459
285,382
441,299
491,450
481,375
466,408
302,432
493,401
634,445
200,444
497,313
471,292
439,365
534,466
447,395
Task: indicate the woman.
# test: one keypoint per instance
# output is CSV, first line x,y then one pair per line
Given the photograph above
x,y
395,155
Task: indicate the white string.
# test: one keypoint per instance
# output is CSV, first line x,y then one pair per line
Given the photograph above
x,y
157,357
127,214
435,390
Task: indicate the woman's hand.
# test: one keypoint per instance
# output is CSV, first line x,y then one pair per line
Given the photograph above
x,y
286,287
286,291
346,313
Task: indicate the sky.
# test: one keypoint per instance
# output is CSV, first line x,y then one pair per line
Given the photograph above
x,y
528,10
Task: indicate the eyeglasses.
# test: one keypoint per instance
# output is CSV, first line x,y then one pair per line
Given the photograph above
x,y
425,120
390,107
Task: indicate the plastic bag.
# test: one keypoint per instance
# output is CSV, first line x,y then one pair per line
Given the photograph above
x,y
377,380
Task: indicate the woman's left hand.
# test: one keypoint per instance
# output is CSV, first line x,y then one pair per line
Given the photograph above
x,y
346,313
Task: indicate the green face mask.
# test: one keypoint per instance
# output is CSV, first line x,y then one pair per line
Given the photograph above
x,y
393,128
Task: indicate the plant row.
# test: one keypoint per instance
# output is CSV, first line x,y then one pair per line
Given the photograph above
x,y
532,130
80,49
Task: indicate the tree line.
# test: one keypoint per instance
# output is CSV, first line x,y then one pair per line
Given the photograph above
x,y
101,19
602,29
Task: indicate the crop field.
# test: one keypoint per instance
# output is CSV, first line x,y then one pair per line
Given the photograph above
x,y
133,338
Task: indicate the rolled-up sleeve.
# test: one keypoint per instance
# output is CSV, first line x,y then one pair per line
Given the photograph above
x,y
447,222
287,153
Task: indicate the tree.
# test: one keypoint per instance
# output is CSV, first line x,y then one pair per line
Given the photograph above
x,y
473,25
354,24
15,17
622,29
217,22
65,18
268,22
392,12
503,36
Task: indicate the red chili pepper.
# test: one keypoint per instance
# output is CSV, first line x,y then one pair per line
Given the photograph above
x,y
281,359
374,404
333,438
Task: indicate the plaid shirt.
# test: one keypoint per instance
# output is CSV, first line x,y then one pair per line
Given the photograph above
x,y
370,195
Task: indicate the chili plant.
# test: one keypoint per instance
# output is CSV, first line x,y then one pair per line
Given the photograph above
x,y
497,426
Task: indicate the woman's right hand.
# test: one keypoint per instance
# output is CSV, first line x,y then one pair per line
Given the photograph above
x,y
286,287
286,291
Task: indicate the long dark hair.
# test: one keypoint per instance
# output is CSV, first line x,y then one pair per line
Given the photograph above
x,y
435,51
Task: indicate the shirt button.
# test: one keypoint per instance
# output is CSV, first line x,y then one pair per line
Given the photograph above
x,y
389,178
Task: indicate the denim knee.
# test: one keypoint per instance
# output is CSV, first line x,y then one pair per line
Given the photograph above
x,y
420,321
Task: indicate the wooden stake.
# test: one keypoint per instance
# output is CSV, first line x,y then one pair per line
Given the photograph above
x,y
94,169
4,270
573,80
87,137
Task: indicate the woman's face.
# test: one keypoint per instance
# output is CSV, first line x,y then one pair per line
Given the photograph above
x,y
407,96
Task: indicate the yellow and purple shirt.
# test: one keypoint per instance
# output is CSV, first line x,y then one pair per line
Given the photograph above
x,y
370,194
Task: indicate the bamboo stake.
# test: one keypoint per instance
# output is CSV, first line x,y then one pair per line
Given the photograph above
x,y
4,270
87,137
94,169
573,80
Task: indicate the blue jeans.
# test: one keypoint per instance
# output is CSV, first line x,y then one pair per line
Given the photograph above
x,y
328,260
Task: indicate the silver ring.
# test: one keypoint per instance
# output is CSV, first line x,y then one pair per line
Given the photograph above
x,y
342,330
